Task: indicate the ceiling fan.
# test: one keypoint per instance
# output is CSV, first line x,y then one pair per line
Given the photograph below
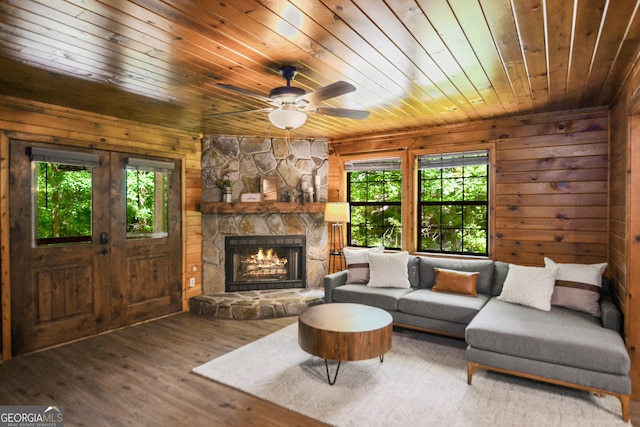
x,y
290,105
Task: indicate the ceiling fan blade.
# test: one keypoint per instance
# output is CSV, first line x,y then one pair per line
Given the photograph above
x,y
342,112
232,113
326,92
248,93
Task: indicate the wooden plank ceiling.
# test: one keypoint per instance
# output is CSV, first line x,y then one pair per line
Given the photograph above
x,y
415,63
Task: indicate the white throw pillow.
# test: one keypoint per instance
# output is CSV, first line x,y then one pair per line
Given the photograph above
x,y
578,286
357,261
389,270
530,286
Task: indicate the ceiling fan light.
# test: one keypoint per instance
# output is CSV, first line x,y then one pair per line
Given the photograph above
x,y
287,118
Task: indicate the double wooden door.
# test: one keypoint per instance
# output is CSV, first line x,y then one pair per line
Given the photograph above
x,y
67,288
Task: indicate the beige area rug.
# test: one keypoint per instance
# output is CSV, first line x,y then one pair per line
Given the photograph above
x,y
422,382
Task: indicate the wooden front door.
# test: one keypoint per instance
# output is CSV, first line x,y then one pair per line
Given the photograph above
x,y
74,279
146,278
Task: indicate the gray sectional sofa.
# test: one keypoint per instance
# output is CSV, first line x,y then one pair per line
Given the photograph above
x,y
559,346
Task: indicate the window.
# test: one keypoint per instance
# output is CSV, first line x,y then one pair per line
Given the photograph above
x,y
62,196
147,190
374,192
453,203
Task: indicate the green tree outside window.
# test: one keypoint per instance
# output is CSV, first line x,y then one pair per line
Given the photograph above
x,y
453,203
63,203
147,204
375,199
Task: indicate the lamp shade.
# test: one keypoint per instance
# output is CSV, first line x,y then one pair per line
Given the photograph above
x,y
336,212
287,117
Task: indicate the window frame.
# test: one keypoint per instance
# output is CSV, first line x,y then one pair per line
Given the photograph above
x,y
373,165
420,204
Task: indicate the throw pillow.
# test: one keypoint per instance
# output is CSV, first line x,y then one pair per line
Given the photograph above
x,y
389,270
456,282
357,261
578,286
530,286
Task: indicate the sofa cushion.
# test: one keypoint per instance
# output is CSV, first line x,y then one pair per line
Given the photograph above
x,y
456,282
389,270
484,267
561,336
444,306
499,276
578,286
530,286
413,268
384,298
357,261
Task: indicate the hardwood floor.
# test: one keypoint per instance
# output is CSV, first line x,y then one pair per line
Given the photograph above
x,y
141,376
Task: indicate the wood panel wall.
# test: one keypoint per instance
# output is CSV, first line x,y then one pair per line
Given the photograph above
x,y
624,217
47,123
550,181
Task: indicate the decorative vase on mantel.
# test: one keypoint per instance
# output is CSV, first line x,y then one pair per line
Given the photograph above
x,y
226,194
225,185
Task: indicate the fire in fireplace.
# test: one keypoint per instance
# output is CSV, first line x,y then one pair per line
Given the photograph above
x,y
264,262
262,265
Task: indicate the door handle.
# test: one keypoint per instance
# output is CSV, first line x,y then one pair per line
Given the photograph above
x,y
104,251
104,238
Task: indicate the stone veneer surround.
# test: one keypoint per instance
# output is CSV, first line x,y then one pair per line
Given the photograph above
x,y
244,161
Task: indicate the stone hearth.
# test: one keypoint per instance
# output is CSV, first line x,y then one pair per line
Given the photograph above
x,y
256,304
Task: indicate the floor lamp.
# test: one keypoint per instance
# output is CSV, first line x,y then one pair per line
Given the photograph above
x,y
336,213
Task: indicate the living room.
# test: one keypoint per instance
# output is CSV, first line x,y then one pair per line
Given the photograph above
x,y
559,118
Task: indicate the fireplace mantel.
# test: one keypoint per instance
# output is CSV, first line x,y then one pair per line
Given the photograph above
x,y
260,207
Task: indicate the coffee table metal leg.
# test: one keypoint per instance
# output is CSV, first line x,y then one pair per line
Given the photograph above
x,y
335,376
326,365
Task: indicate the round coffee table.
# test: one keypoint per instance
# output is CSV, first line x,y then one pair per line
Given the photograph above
x,y
345,332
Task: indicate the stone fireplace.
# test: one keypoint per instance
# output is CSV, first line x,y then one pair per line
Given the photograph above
x,y
264,262
245,161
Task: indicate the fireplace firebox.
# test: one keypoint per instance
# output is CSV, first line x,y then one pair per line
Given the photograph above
x,y
264,262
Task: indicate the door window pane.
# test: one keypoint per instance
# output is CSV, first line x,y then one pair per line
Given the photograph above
x,y
63,203
147,207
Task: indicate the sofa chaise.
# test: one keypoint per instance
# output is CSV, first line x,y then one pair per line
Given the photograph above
x,y
554,343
